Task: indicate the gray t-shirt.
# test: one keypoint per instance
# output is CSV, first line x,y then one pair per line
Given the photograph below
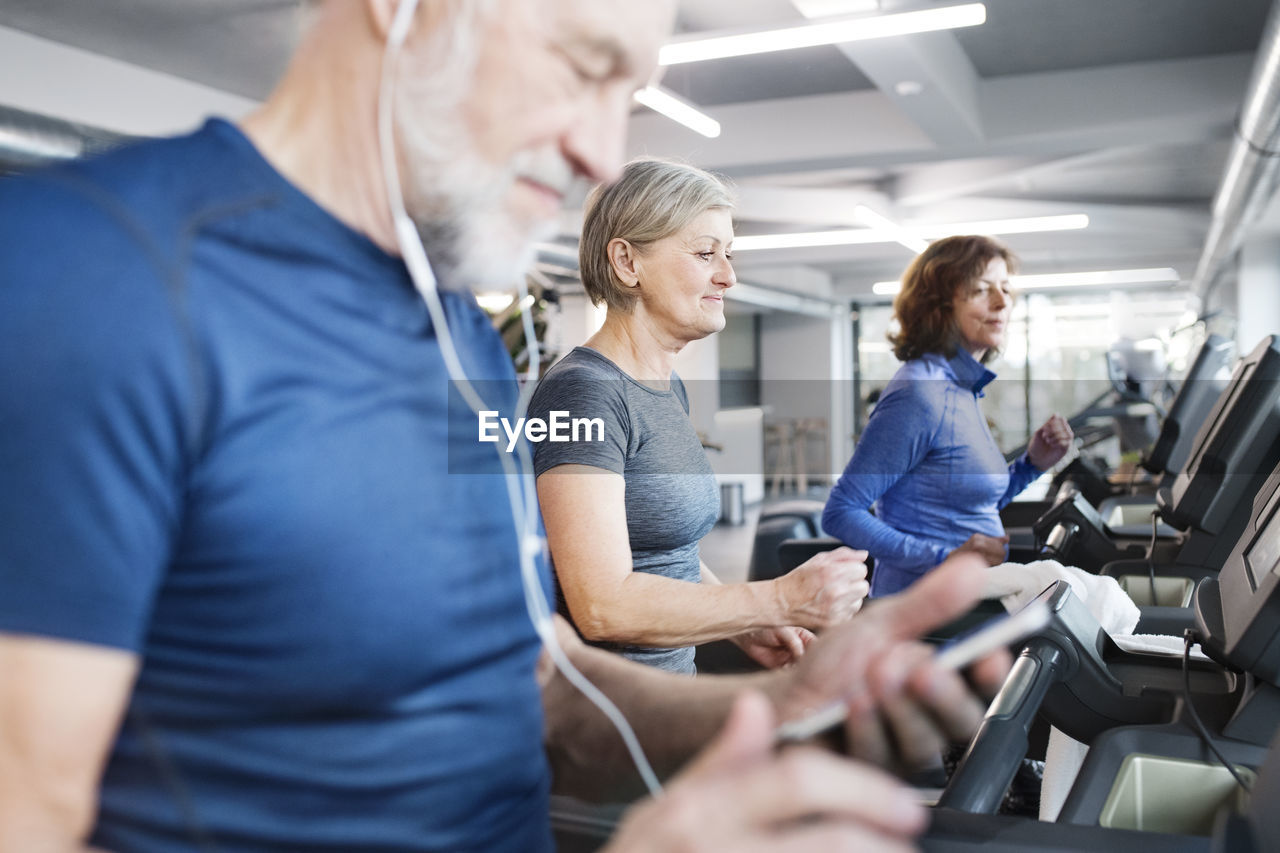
x,y
644,434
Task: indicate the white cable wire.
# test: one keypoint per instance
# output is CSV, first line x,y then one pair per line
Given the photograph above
x,y
521,494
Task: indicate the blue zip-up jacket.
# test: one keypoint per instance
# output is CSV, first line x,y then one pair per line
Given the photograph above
x,y
929,465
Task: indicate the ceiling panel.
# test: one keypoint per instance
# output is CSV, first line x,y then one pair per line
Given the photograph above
x,y
1121,108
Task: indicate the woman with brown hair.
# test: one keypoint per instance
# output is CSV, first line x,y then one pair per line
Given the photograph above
x,y
927,460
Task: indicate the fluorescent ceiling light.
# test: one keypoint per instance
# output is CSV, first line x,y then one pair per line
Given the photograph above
x,y
1024,225
663,101
1065,279
838,31
1087,279
907,238
857,236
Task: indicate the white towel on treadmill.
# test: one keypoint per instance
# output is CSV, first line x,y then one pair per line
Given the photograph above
x,y
1015,584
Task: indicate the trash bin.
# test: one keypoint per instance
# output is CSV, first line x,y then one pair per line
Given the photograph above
x,y
732,509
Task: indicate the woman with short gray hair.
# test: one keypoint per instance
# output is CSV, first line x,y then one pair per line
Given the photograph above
x,y
625,506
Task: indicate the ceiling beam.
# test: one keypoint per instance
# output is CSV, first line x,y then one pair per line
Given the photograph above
x,y
928,76
1034,115
933,182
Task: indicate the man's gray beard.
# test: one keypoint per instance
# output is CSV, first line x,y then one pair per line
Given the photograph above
x,y
465,256
458,203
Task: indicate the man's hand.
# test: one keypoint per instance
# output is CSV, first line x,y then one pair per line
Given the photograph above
x,y
902,708
992,549
1050,443
825,590
774,647
742,795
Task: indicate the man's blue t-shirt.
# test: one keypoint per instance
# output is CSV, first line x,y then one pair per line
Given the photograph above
x,y
224,445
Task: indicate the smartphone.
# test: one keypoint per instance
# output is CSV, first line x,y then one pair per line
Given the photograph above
x,y
960,651
956,653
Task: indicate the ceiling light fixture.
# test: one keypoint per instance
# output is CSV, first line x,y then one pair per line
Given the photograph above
x,y
1089,279
838,31
1022,225
858,236
1050,281
662,101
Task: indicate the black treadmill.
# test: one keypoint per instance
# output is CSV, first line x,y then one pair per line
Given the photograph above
x,y
1199,390
1234,449
1131,709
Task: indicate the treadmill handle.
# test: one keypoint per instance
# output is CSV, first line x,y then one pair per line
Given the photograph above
x,y
1059,540
1001,743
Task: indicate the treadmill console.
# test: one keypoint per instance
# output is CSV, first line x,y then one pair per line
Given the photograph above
x,y
1239,613
1235,448
1200,389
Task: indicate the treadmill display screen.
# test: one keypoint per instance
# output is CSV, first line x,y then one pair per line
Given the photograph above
x,y
1211,433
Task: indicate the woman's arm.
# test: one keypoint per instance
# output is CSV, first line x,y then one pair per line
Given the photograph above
x,y
898,436
769,647
1050,443
584,511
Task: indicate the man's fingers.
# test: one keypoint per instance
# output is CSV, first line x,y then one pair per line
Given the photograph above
x,y
914,730
989,673
942,595
805,781
948,701
865,733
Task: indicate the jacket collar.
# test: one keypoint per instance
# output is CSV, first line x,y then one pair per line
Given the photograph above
x,y
967,371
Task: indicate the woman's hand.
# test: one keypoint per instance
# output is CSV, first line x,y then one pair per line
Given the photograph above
x,y
774,647
990,548
825,590
1050,443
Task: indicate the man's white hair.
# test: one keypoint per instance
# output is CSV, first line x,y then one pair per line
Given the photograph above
x,y
454,196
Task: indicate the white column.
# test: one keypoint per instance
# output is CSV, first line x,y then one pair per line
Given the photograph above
x,y
1257,305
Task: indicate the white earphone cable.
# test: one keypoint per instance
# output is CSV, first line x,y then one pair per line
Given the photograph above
x,y
521,493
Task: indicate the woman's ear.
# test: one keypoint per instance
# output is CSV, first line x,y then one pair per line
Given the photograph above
x,y
624,259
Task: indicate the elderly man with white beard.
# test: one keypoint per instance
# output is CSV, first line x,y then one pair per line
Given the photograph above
x,y
252,596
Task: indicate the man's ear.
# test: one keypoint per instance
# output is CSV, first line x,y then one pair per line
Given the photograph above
x,y
382,14
624,259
